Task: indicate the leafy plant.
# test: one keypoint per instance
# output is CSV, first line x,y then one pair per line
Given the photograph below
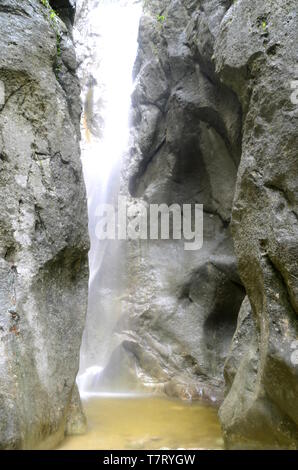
x,y
52,15
161,18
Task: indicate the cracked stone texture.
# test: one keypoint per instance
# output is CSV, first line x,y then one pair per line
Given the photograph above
x,y
256,56
43,231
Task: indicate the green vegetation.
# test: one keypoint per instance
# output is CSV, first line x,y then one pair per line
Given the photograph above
x,y
161,18
52,14
263,22
53,19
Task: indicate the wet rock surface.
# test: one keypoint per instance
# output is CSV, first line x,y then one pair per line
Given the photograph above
x,y
255,55
43,229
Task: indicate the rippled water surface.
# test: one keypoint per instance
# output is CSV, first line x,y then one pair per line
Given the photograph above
x,y
147,423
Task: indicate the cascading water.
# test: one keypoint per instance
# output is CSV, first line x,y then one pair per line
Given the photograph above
x,y
106,50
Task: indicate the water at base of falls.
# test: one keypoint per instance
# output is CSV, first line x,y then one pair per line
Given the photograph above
x,y
90,386
146,423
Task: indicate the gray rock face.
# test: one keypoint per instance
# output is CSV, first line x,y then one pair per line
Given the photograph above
x,y
43,230
179,308
256,55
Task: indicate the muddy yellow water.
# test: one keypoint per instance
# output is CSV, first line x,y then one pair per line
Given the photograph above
x,y
147,423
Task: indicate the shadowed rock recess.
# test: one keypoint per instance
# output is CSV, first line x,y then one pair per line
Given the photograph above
x,y
43,229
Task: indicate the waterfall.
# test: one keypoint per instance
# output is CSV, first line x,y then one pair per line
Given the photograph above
x,y
106,42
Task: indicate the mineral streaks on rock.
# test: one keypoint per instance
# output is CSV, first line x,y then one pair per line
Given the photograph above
x,y
43,229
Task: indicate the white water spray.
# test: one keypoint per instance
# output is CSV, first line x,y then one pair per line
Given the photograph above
x,y
106,76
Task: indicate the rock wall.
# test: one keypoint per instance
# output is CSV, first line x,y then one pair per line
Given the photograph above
x,y
43,229
179,308
255,56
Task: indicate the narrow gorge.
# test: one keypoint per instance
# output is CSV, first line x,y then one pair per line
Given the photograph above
x,y
131,107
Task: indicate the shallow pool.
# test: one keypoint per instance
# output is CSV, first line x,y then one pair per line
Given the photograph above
x,y
147,423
